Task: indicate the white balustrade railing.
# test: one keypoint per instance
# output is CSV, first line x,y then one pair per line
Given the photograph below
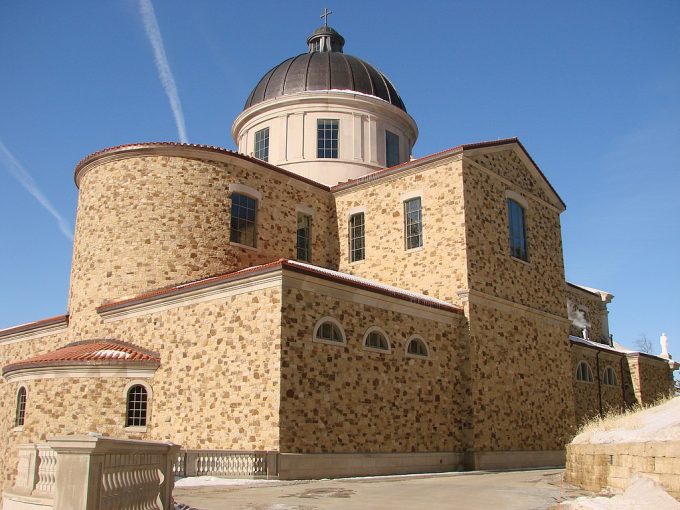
x,y
95,473
227,463
47,470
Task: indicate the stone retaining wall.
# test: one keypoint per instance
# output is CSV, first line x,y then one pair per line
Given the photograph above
x,y
596,466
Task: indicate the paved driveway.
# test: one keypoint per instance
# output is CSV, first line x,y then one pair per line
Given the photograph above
x,y
536,489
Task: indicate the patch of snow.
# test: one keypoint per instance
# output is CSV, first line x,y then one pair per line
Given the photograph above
x,y
206,481
659,423
642,494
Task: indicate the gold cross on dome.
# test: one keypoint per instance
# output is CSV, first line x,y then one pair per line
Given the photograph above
x,y
325,15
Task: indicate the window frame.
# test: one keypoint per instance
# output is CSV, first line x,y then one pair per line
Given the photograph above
x,y
377,329
336,323
354,238
323,150
589,372
606,379
147,412
516,208
232,230
264,144
308,248
420,236
417,338
20,400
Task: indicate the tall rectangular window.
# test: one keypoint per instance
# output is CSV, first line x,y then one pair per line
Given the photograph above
x,y
357,246
243,219
391,149
413,223
304,237
262,144
327,138
518,242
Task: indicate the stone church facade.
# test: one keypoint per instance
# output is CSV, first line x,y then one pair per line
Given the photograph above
x,y
305,298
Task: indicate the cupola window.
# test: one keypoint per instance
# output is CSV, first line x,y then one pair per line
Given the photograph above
x,y
391,149
262,144
327,139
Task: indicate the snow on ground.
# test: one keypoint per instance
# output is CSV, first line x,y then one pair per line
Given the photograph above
x,y
205,481
660,423
642,494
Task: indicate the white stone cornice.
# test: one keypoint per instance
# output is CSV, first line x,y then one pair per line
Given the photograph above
x,y
33,333
131,370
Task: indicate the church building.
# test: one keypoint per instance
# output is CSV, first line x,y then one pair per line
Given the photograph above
x,y
319,302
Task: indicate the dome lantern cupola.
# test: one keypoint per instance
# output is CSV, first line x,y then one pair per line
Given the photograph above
x,y
326,115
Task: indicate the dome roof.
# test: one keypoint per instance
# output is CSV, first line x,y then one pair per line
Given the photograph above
x,y
324,67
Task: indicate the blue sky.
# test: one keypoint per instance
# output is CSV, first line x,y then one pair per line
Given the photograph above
x,y
591,89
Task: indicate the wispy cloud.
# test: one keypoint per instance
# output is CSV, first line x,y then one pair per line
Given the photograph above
x,y
17,171
153,32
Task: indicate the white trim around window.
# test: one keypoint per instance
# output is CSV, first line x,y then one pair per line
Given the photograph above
x,y
334,322
416,193
242,189
376,329
513,195
355,210
416,356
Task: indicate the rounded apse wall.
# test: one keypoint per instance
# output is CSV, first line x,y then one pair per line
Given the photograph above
x,y
156,215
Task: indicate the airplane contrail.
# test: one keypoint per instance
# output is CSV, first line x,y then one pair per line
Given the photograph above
x,y
153,32
18,171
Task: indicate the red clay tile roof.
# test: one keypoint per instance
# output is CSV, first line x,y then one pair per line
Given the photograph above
x,y
290,265
58,319
89,352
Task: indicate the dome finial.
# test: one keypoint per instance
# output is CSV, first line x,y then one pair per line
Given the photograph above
x,y
325,15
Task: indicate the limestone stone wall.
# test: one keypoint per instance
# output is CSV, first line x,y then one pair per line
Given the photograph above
x,y
437,269
538,283
217,385
654,378
521,392
153,220
596,466
594,308
9,353
589,395
343,398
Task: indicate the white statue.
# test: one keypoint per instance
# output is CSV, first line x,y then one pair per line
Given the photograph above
x,y
664,346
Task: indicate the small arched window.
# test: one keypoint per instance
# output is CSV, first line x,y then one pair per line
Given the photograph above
x,y
609,377
329,330
583,372
137,402
376,339
416,347
21,408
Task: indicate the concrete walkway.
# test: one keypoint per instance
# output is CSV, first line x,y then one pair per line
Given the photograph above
x,y
536,489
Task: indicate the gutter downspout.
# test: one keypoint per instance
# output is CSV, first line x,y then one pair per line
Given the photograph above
x,y
599,382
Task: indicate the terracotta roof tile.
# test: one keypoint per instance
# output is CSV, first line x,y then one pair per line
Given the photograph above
x,y
59,319
91,352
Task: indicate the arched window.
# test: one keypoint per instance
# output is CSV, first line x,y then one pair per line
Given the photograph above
x,y
137,401
583,372
21,408
416,347
376,339
329,330
609,377
517,230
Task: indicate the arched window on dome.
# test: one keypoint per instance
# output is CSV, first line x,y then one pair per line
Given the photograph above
x,y
583,372
20,414
609,377
137,406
